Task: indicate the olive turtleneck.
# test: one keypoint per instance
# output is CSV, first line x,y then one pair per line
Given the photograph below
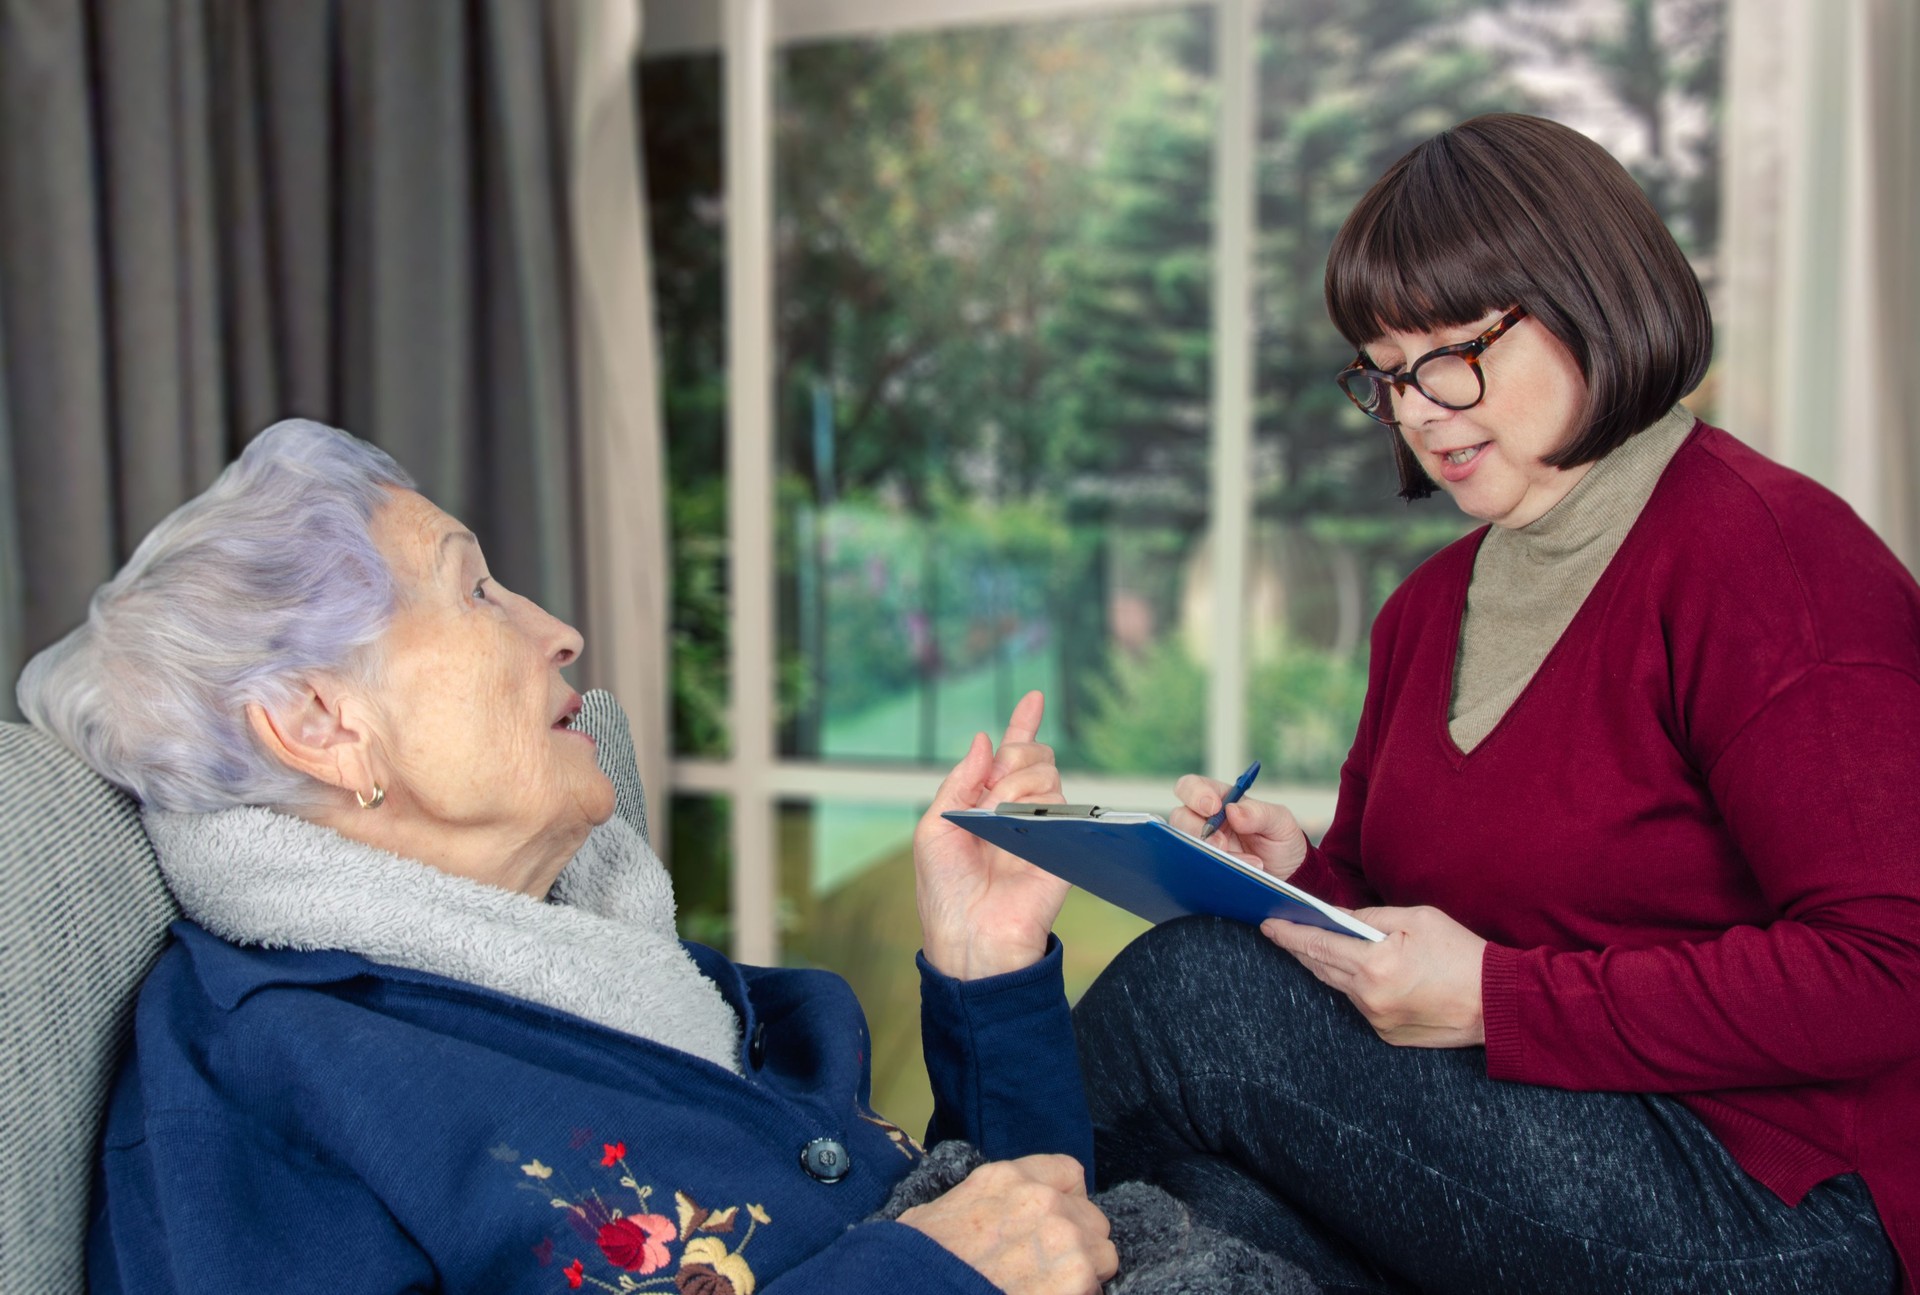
x,y
1528,582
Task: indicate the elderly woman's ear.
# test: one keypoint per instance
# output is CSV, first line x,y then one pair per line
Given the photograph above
x,y
324,733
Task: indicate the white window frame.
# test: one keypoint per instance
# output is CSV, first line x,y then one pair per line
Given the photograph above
x,y
753,775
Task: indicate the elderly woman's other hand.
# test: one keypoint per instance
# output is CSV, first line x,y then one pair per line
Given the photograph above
x,y
1026,1225
1418,988
984,912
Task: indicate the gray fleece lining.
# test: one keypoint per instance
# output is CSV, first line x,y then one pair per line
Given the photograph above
x,y
603,947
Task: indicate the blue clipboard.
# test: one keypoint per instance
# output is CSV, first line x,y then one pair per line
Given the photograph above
x,y
1145,865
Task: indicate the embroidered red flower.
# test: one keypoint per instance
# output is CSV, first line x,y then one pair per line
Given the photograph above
x,y
576,1273
612,1152
544,1251
638,1242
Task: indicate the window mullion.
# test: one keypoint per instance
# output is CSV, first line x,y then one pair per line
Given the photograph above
x,y
747,56
1230,501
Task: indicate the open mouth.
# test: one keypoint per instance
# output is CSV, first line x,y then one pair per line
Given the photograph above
x,y
1461,457
569,715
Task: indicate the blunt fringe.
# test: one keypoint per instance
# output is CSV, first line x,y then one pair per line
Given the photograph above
x,y
1506,210
266,579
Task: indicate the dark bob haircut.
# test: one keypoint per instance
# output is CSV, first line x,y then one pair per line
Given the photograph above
x,y
1507,210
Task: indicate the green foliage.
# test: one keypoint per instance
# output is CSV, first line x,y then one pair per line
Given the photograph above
x,y
1303,706
1151,716
925,183
994,332
699,641
701,850
889,597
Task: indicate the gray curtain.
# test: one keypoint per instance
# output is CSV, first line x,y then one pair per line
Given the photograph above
x,y
218,213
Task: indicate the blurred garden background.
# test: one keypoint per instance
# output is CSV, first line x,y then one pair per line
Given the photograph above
x,y
994,264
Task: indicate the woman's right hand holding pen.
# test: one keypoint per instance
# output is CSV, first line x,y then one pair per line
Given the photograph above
x,y
1257,831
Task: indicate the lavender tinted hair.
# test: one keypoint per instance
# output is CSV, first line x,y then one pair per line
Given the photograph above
x,y
268,578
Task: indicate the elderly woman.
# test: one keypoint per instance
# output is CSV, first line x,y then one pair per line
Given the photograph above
x,y
1633,797
428,1026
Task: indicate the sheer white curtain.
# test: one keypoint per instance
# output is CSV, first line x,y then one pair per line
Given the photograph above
x,y
1821,332
625,591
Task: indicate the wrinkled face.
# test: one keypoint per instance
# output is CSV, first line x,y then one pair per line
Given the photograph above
x,y
472,714
1488,457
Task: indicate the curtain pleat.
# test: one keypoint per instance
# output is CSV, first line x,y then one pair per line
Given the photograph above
x,y
51,296
408,372
246,338
298,74
12,592
527,334
204,434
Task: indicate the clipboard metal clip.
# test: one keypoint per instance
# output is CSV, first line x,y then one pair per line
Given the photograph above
x,y
1027,810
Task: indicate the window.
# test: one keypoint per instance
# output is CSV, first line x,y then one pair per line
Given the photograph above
x,y
1006,341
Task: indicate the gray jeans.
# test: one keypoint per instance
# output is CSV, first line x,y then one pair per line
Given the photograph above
x,y
1221,1070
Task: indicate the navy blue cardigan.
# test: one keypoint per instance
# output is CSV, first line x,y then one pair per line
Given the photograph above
x,y
295,1121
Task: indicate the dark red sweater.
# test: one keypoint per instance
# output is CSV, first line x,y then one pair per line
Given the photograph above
x,y
1694,839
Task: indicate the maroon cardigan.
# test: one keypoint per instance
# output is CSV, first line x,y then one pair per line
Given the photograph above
x,y
1694,839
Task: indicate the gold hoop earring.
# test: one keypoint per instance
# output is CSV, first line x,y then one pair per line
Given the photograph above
x,y
379,798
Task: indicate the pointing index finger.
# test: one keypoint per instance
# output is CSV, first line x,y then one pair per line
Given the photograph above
x,y
1025,724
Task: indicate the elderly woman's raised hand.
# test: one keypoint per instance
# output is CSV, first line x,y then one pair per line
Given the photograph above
x,y
1264,834
984,912
1026,1225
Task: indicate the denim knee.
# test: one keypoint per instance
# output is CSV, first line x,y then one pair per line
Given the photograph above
x,y
1204,996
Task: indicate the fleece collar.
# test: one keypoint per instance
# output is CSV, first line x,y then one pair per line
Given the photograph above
x,y
602,947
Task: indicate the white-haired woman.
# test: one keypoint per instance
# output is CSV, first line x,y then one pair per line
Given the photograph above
x,y
428,1026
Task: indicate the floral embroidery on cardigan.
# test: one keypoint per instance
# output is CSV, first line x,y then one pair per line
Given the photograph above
x,y
635,1249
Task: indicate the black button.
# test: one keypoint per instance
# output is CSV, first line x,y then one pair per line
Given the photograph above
x,y
826,1160
757,1046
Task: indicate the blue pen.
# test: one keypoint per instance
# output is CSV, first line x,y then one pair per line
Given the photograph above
x,y
1234,793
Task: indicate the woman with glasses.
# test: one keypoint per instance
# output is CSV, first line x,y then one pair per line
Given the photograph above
x,y
1635,797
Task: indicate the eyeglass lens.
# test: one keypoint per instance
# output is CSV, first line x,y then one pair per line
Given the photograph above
x,y
1448,380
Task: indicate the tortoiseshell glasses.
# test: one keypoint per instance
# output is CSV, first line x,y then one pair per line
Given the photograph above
x,y
1450,376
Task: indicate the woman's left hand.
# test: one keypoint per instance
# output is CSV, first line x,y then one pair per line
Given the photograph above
x,y
1418,988
984,912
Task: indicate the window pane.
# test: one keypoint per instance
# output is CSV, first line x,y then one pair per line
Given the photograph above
x,y
681,127
847,905
1331,540
994,270
700,862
